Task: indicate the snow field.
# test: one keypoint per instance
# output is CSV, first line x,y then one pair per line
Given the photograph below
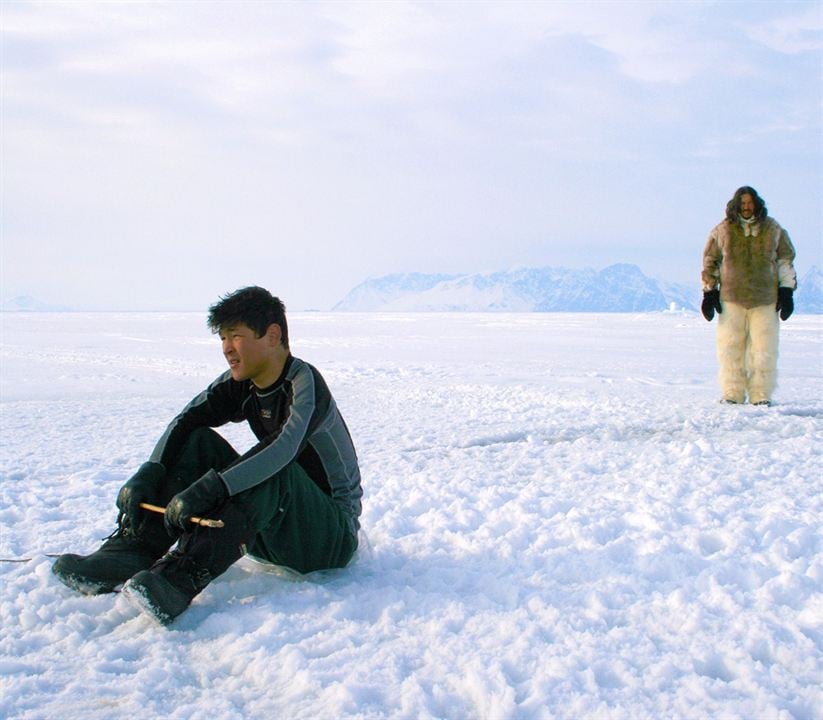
x,y
560,521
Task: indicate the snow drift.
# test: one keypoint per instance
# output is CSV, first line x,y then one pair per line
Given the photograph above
x,y
560,522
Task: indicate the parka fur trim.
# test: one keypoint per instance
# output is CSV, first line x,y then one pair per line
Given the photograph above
x,y
748,265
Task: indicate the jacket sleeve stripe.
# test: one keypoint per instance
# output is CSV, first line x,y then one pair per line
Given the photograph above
x,y
274,457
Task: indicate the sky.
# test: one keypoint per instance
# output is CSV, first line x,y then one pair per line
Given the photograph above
x,y
156,156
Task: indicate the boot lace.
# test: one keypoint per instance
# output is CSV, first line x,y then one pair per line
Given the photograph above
x,y
180,564
123,531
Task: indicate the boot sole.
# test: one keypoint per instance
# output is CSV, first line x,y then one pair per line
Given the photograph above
x,y
82,584
138,591
136,595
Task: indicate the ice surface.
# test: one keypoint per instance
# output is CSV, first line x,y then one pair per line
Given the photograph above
x,y
560,522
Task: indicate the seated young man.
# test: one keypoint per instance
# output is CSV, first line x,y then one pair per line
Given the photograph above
x,y
293,499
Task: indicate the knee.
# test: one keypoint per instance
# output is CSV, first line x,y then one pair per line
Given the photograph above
x,y
732,358
203,450
764,361
205,440
731,343
203,435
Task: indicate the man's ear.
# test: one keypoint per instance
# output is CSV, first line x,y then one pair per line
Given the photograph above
x,y
274,334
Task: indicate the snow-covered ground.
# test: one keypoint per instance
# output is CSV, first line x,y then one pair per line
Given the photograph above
x,y
560,519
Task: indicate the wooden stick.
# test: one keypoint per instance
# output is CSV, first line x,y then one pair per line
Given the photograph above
x,y
205,522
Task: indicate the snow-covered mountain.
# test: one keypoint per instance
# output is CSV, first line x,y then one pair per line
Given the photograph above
x,y
377,293
810,292
26,303
617,288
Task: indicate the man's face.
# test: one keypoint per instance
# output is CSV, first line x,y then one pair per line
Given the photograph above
x,y
746,206
249,357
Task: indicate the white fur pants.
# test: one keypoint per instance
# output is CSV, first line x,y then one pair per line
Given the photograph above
x,y
747,352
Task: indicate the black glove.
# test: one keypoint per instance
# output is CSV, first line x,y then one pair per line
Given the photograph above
x,y
198,498
785,302
143,486
711,302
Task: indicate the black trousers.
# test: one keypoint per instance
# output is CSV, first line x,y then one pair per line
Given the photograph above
x,y
292,521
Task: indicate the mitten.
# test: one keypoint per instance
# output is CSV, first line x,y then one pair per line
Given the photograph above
x,y
198,498
785,302
143,486
711,302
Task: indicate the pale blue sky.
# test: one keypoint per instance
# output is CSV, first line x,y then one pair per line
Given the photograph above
x,y
158,155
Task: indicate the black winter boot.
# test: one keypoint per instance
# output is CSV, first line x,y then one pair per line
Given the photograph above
x,y
168,587
124,553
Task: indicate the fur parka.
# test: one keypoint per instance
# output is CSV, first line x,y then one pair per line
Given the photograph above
x,y
749,262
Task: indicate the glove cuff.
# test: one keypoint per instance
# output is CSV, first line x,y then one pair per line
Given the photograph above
x,y
212,483
149,473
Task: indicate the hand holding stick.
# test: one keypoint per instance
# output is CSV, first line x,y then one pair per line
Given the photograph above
x,y
205,522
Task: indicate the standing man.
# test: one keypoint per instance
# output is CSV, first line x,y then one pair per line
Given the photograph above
x,y
748,278
292,499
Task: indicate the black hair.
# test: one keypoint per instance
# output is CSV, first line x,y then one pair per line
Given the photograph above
x,y
733,206
253,306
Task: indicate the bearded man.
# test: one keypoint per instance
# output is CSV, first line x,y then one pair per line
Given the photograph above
x,y
748,278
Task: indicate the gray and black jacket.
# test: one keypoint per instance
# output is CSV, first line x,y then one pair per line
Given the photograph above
x,y
295,420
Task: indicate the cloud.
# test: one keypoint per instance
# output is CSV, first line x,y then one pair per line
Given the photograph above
x,y
290,73
354,138
800,30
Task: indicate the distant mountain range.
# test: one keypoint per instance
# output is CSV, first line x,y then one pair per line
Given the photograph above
x,y
26,303
810,292
617,288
